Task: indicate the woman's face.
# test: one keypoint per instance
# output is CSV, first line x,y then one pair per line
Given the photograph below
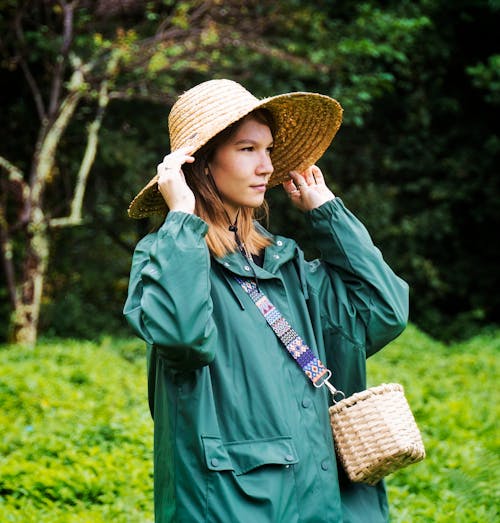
x,y
241,167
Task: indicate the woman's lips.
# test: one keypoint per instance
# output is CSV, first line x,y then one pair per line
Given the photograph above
x,y
261,187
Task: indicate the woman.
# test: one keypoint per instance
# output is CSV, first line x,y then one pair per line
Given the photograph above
x,y
241,434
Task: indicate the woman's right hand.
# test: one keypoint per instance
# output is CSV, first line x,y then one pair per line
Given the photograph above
x,y
171,182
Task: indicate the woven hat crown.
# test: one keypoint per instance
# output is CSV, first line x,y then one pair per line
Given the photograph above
x,y
207,109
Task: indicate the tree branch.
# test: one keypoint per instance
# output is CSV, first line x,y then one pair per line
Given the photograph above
x,y
6,247
75,216
67,38
279,54
163,34
15,174
198,13
45,155
130,93
16,177
35,91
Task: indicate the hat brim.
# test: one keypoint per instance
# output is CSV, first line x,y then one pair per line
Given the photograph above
x,y
305,125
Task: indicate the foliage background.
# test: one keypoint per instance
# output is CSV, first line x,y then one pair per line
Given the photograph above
x,y
416,157
79,440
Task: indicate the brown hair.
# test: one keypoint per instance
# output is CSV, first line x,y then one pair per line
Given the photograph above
x,y
209,205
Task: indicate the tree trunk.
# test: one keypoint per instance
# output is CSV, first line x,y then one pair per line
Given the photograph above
x,y
24,320
24,324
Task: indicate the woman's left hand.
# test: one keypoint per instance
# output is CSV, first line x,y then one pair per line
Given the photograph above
x,y
308,190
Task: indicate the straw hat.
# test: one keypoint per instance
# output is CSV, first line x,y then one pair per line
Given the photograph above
x,y
305,124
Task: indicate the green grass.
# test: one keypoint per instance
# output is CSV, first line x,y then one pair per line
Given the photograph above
x,y
452,391
77,436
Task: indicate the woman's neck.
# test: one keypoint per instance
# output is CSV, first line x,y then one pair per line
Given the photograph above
x,y
240,241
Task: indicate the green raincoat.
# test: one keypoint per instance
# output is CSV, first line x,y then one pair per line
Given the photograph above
x,y
240,434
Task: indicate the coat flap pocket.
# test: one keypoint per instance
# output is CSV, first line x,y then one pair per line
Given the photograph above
x,y
248,455
244,456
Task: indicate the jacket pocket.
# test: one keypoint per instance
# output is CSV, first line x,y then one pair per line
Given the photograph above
x,y
251,480
243,456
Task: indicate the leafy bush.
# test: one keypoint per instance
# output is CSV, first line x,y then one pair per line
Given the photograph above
x,y
77,447
451,390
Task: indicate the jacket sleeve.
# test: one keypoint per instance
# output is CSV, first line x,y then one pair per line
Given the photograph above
x,y
360,294
169,304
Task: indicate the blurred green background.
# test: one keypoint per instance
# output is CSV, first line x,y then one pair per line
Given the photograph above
x,y
86,88
416,158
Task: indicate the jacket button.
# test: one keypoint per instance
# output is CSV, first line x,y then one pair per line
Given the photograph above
x,y
306,403
276,256
289,457
246,267
324,464
214,462
279,243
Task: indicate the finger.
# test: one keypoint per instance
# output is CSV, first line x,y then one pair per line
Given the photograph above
x,y
166,169
289,186
179,155
170,170
292,192
185,154
163,168
176,163
298,179
294,196
186,150
309,177
317,174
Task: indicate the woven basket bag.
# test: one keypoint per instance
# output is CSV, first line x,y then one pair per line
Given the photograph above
x,y
375,433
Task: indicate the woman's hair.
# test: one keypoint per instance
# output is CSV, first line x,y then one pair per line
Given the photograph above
x,y
209,205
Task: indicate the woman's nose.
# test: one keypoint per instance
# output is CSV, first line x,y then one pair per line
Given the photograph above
x,y
265,165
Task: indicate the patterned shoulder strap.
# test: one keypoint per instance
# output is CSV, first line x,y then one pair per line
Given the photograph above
x,y
293,343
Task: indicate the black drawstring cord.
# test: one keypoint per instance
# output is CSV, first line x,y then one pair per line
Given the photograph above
x,y
241,247
233,227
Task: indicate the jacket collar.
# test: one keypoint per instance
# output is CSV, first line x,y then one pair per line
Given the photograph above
x,y
281,251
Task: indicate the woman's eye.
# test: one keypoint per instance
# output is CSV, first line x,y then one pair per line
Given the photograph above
x,y
251,148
